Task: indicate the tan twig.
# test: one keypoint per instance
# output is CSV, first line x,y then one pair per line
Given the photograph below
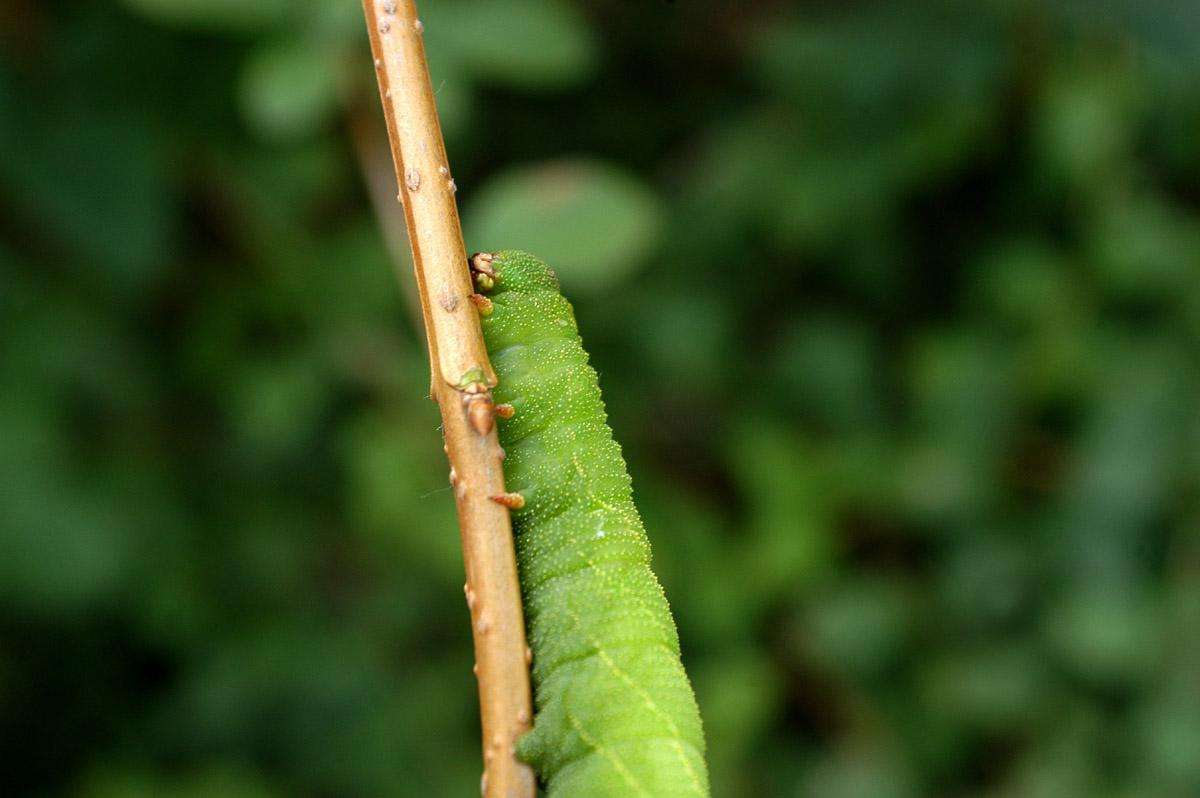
x,y
461,383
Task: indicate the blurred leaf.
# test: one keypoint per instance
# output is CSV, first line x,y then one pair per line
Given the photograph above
x,y
827,368
1162,27
1086,120
533,45
398,494
687,537
788,538
998,689
224,782
986,579
1105,637
1166,733
234,15
289,90
858,628
687,337
1027,284
1119,482
275,405
738,695
98,191
963,403
593,222
1063,761
1143,246
859,770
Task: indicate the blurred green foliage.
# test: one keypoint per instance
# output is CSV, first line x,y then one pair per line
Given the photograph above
x,y
896,307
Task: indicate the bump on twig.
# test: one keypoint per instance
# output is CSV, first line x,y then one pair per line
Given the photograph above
x,y
480,414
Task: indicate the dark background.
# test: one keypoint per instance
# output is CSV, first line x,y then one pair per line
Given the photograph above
x,y
896,307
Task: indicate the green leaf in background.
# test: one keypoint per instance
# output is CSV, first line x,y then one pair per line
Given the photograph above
x,y
1142,246
289,90
115,222
858,629
594,221
827,367
995,689
525,44
739,695
276,403
396,496
860,770
226,782
788,542
1166,729
453,92
235,15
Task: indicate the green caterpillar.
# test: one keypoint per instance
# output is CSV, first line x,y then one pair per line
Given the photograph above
x,y
616,715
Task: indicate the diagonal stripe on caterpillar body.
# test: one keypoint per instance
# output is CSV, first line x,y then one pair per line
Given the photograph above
x,y
615,711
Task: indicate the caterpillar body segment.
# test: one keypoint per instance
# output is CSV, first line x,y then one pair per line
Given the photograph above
x,y
616,715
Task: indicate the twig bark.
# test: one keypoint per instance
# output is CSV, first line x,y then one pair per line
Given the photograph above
x,y
461,383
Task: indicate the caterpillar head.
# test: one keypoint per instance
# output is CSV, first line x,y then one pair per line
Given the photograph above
x,y
511,270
